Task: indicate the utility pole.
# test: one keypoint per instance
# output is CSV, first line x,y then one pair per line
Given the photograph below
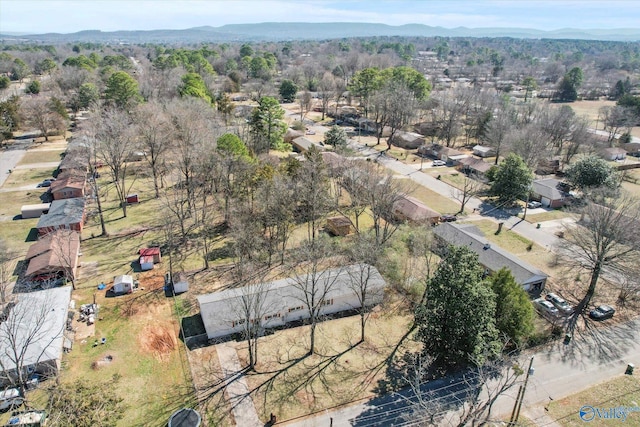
x,y
515,414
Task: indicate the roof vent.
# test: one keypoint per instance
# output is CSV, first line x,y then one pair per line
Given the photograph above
x,y
486,246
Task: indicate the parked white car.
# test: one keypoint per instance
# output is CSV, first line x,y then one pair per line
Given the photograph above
x,y
560,303
439,163
10,398
546,309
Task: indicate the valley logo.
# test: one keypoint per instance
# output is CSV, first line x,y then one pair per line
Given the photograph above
x,y
619,413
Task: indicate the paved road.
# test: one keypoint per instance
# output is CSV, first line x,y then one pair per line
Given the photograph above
x,y
543,236
10,157
559,371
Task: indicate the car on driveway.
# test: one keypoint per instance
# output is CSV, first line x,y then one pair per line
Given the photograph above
x,y
602,312
560,303
546,309
439,163
10,398
534,205
448,218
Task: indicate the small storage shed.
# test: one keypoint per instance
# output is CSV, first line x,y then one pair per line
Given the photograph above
x,y
146,263
35,211
151,252
180,283
132,198
339,225
123,284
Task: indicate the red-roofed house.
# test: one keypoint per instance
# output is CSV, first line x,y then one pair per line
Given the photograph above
x,y
408,208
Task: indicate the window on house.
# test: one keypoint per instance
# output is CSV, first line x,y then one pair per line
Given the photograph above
x,y
328,302
271,316
300,307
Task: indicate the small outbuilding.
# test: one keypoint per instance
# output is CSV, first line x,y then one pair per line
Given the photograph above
x,y
180,282
153,252
483,151
339,225
613,153
123,284
34,211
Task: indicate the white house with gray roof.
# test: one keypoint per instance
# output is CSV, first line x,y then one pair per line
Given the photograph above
x,y
283,301
32,333
491,256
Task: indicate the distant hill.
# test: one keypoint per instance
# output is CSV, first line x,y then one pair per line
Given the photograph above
x,y
282,31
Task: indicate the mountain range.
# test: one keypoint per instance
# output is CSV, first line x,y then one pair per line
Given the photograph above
x,y
283,31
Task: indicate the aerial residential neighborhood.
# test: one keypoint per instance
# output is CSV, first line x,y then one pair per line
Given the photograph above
x,y
324,223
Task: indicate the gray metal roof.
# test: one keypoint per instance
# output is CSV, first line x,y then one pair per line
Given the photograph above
x,y
490,255
285,293
63,212
36,324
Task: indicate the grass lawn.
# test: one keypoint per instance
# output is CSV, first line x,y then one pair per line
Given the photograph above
x,y
41,156
621,391
435,201
22,177
289,384
142,340
547,216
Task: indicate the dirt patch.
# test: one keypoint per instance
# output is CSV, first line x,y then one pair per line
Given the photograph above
x,y
158,340
101,363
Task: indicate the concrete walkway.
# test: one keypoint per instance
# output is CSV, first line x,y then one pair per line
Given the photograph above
x,y
244,412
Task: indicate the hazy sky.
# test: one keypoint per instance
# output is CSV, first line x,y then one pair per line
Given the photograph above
x,y
43,16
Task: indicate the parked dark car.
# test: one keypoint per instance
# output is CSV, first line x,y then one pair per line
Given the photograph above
x,y
448,218
602,312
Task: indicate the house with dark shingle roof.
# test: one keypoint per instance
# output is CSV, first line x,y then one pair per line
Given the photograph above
x,y
408,208
491,256
55,254
63,214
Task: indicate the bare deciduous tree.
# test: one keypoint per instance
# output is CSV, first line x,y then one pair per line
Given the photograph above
x,y
114,146
470,188
155,136
39,113
603,243
365,252
25,336
314,281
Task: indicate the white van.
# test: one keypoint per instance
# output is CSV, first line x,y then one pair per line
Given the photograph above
x,y
10,398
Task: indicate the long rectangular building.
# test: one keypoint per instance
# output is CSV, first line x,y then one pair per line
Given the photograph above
x,y
283,301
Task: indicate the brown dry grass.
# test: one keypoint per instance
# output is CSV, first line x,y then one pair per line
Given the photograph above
x,y
621,391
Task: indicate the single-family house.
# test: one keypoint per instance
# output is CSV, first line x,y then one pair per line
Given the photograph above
x,y
440,152
34,211
34,328
302,144
63,214
75,159
292,134
549,192
333,160
490,255
339,226
283,300
54,255
123,284
408,208
483,151
613,153
473,166
408,140
68,186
